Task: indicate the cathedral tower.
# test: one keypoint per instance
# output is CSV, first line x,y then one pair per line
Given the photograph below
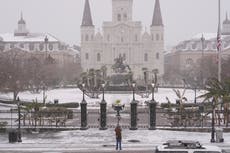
x,y
122,10
157,36
87,34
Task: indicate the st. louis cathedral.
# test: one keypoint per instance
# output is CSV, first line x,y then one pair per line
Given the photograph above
x,y
123,37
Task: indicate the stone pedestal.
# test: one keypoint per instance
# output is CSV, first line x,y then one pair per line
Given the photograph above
x,y
133,115
103,117
152,115
84,124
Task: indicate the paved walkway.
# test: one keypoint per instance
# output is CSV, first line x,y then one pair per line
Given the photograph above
x,y
76,148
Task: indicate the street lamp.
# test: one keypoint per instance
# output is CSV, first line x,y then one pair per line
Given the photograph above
x,y
153,88
133,86
118,107
19,121
103,91
83,90
83,104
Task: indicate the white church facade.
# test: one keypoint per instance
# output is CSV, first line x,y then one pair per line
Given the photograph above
x,y
141,50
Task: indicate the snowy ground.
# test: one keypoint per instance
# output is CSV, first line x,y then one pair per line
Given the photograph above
x,y
75,95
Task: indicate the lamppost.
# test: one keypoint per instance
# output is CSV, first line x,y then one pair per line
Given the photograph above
x,y
103,92
83,110
46,46
213,123
152,109
44,93
19,120
103,106
195,95
133,87
153,89
118,107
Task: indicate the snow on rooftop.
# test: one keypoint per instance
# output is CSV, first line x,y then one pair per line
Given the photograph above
x,y
207,36
31,37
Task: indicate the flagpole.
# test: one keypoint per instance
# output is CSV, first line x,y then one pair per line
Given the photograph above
x,y
219,48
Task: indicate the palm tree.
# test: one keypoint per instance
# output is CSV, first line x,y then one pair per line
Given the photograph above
x,y
215,92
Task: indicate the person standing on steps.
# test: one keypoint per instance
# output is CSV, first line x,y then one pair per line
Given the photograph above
x,y
118,137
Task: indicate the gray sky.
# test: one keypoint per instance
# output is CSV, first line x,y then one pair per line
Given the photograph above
x,y
62,18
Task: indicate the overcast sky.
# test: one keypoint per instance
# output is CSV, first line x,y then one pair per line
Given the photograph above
x,y
62,18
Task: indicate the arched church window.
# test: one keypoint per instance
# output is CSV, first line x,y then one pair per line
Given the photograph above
x,y
86,37
31,46
189,61
146,57
119,17
86,56
157,55
98,57
157,37
51,47
41,46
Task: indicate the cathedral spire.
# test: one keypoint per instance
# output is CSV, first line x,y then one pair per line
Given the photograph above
x,y
87,18
157,18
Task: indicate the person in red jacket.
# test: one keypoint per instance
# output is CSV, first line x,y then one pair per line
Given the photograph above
x,y
118,137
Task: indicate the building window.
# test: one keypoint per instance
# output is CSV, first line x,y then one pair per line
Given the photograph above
x,y
108,37
118,17
162,37
146,57
31,46
2,47
136,37
91,37
152,37
41,46
125,16
157,55
86,37
51,47
189,61
194,46
11,45
157,37
124,56
21,45
86,56
98,57
122,39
